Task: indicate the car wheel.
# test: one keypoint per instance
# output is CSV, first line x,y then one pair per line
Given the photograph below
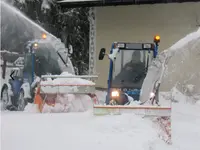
x,y
22,102
4,98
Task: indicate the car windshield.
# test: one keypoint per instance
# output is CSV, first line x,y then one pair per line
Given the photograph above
x,y
130,68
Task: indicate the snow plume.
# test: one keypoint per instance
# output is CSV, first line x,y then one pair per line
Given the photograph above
x,y
20,19
45,3
180,66
182,70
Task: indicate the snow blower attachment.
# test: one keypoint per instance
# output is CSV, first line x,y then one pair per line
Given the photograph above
x,y
48,91
129,63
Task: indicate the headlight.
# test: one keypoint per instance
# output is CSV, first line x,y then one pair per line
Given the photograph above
x,y
152,95
35,46
115,94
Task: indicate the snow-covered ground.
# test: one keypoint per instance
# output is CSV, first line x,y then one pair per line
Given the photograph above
x,y
74,131
185,126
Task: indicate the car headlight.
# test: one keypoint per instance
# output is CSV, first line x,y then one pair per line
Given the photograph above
x,y
35,46
115,94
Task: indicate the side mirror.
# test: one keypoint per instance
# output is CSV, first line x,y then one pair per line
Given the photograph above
x,y
70,49
102,53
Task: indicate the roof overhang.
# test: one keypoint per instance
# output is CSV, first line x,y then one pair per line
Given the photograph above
x,y
100,3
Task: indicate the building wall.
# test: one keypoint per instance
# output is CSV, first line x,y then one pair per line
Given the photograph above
x,y
139,23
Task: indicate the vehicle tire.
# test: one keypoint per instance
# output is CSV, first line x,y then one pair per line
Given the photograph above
x,y
22,102
4,98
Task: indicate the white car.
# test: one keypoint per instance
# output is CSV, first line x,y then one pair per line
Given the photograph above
x,y
14,92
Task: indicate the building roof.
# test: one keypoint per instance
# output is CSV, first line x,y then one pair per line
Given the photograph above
x,y
93,3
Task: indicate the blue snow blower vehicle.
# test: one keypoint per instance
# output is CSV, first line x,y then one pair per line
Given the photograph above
x,y
129,64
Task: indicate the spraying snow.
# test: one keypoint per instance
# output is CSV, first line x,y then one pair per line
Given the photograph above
x,y
181,69
20,19
179,63
17,30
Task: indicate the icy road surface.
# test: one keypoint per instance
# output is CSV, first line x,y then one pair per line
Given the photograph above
x,y
75,131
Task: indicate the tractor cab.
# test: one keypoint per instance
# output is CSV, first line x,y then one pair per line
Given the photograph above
x,y
42,57
129,64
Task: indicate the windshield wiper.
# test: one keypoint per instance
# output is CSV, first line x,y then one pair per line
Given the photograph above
x,y
62,59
